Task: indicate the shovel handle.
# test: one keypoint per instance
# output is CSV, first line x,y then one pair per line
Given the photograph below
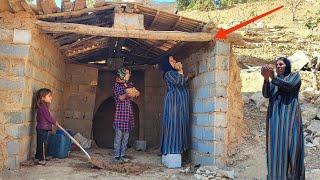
x,y
73,140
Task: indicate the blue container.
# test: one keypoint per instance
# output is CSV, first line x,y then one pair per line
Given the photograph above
x,y
58,145
59,131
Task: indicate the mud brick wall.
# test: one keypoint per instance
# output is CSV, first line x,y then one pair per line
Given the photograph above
x,y
79,98
153,99
211,114
25,66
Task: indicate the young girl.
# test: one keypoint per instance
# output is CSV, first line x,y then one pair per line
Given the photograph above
x,y
124,118
44,123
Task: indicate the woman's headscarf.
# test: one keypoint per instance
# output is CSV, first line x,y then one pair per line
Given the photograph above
x,y
121,73
166,66
287,70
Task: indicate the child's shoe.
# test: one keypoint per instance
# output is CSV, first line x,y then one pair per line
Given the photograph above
x,y
42,162
48,158
124,159
116,160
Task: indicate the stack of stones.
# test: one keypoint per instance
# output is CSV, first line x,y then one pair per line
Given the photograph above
x,y
212,172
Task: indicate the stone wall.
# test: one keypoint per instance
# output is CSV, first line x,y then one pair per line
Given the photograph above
x,y
209,104
25,66
79,98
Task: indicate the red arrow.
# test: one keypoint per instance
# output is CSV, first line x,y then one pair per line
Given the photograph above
x,y
222,33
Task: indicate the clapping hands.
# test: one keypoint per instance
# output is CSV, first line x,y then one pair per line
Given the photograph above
x,y
267,72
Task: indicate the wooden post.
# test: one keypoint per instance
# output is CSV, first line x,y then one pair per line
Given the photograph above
x,y
123,33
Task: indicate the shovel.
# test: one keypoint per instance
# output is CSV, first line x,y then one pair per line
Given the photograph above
x,y
93,161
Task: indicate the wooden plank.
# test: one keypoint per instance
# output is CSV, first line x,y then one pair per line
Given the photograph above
x,y
84,44
27,7
154,20
66,6
176,24
75,13
15,5
68,46
48,6
124,33
86,50
79,4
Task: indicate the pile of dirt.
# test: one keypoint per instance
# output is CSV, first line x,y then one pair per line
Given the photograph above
x,y
128,168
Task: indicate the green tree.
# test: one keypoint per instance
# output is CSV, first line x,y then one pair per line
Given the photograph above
x,y
202,5
90,3
183,4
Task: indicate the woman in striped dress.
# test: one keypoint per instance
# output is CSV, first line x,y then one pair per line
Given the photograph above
x,y
175,123
285,144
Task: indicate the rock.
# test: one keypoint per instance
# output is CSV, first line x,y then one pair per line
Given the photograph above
x,y
259,100
260,25
309,145
318,114
309,112
228,174
246,99
204,178
313,174
298,60
309,139
316,141
317,101
309,92
314,126
198,176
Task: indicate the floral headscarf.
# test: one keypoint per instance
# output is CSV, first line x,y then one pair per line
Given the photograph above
x,y
121,73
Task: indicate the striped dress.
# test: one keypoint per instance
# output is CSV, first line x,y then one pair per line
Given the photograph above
x,y
175,123
285,144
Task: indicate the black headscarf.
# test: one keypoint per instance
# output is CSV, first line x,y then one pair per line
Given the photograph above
x,y
287,70
166,66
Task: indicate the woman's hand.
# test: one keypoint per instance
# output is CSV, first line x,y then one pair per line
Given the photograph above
x,y
265,72
56,124
271,73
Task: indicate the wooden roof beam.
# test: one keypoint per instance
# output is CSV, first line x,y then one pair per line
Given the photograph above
x,y
124,33
78,42
75,13
155,20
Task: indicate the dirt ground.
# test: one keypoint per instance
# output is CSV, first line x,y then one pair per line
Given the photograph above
x,y
146,165
250,160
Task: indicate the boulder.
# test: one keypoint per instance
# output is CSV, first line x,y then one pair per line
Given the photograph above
x,y
259,100
309,112
298,60
314,126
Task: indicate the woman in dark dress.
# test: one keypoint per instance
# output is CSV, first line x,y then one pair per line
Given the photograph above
x,y
285,143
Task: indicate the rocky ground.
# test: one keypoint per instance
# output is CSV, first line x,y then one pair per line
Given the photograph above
x,y
250,159
271,36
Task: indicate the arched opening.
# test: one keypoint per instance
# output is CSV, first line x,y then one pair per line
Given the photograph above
x,y
102,128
